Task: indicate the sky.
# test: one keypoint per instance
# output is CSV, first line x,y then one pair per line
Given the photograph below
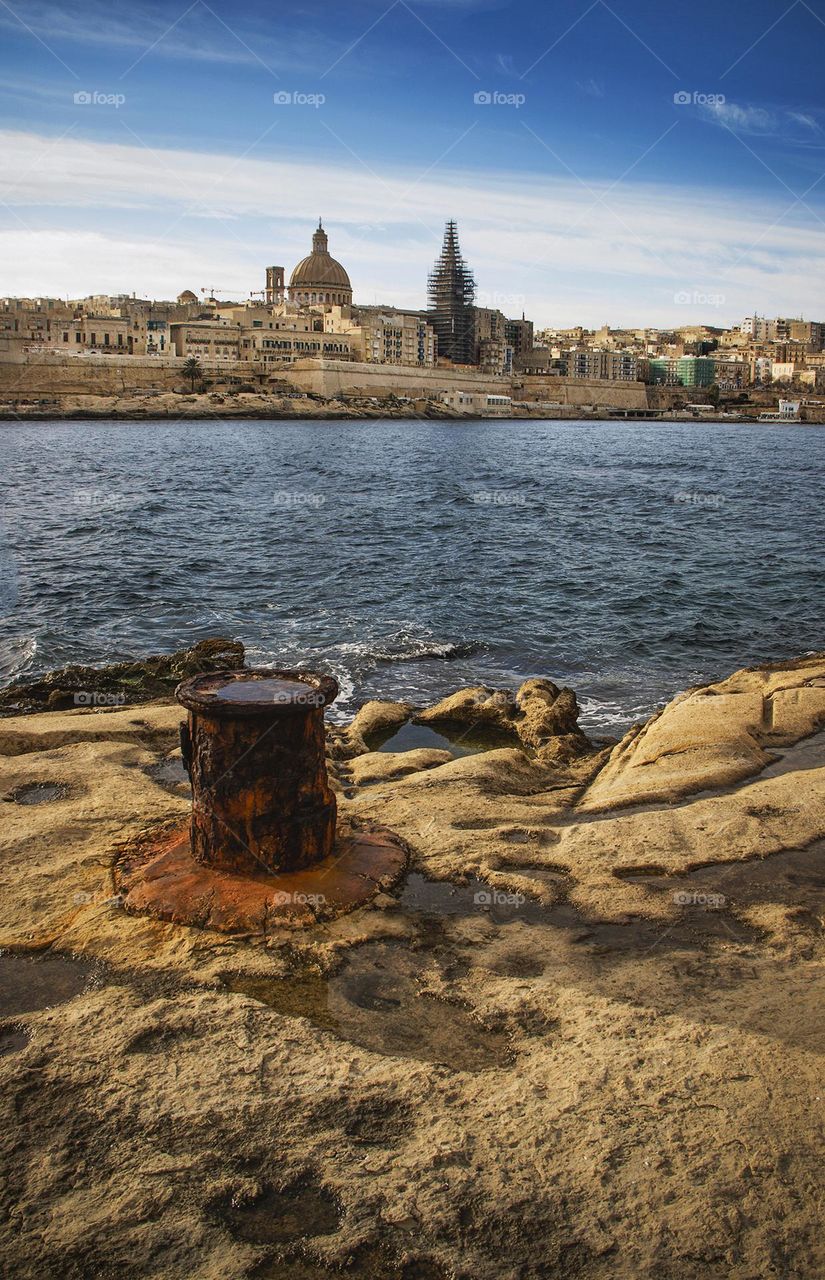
x,y
629,162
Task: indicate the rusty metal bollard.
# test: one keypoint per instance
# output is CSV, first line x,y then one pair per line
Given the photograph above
x,y
261,850
254,748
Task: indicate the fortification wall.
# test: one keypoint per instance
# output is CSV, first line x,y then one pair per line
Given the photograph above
x,y
54,374
602,394
333,378
50,374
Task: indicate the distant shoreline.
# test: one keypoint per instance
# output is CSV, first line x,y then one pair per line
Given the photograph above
x,y
380,415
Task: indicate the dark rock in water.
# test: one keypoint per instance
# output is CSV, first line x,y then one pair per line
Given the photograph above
x,y
123,682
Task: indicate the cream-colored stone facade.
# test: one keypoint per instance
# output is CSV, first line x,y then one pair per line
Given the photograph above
x,y
384,335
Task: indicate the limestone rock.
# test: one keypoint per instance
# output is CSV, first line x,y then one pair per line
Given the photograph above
x,y
714,736
476,707
374,722
383,766
541,716
611,1038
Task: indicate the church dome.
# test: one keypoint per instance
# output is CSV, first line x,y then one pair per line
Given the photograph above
x,y
319,271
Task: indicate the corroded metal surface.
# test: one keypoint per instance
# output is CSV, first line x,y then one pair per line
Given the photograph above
x,y
261,850
254,747
163,880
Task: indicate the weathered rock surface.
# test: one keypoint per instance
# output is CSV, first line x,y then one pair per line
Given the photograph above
x,y
714,736
540,716
375,720
585,1040
384,766
123,682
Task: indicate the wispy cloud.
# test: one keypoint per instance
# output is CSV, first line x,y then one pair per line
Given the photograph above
x,y
545,240
766,122
200,35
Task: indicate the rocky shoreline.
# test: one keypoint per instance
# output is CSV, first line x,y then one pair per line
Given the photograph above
x,y
582,1039
208,407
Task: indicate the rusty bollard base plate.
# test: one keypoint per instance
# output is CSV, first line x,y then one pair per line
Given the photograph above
x,y
163,880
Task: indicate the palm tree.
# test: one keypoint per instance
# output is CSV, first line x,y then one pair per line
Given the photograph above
x,y
193,371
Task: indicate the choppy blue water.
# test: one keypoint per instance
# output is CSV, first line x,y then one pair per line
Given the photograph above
x,y
628,560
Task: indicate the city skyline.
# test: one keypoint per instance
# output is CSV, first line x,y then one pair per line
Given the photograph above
x,y
587,189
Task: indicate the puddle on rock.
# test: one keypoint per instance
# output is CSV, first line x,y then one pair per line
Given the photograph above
x,y
411,737
279,1217
29,983
387,996
378,1000
38,793
807,754
433,899
302,996
794,878
375,1000
13,1039
443,898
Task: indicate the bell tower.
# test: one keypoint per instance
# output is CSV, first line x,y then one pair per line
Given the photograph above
x,y
274,291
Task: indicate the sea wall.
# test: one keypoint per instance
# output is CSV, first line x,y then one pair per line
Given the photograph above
x,y
48,374
55,374
335,378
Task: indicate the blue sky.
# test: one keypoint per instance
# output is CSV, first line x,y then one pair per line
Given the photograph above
x,y
628,161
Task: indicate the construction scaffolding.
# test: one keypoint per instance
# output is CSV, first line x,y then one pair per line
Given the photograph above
x,y
451,290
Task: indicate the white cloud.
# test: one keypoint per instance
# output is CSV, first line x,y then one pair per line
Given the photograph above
x,y
570,254
762,121
742,118
187,33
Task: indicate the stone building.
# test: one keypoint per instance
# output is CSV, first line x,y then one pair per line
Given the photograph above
x,y
318,279
519,336
492,352
385,335
609,366
205,339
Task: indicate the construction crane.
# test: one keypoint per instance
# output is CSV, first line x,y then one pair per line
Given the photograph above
x,y
209,292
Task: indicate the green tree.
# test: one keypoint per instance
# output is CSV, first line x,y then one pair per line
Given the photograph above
x,y
193,371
